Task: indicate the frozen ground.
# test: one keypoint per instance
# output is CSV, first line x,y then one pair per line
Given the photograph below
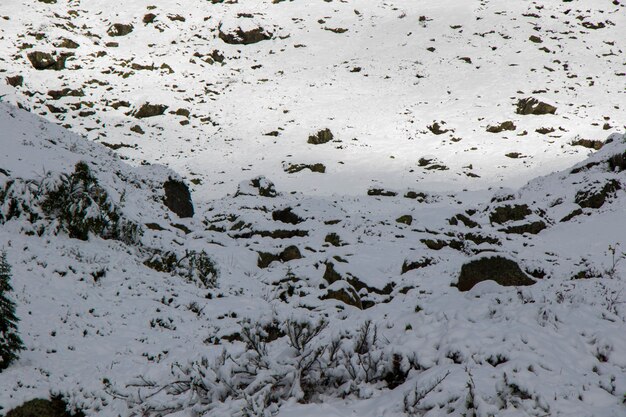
x,y
98,315
464,64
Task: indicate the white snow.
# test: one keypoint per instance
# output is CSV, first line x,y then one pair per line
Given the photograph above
x,y
555,348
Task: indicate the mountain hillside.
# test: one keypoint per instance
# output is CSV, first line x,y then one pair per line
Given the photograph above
x,y
284,208
413,92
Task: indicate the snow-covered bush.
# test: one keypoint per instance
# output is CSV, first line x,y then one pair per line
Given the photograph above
x,y
305,364
195,266
73,203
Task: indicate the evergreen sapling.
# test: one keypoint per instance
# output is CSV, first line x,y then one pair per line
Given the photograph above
x,y
10,341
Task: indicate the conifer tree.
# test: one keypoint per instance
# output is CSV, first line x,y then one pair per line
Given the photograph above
x,y
10,341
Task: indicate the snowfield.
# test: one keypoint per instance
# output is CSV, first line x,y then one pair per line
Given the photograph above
x,y
443,249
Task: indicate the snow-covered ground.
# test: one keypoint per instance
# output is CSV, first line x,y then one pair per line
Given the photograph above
x,y
396,69
99,319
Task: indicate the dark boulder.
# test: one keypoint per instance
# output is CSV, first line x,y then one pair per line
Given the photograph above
x,y
508,213
149,110
178,198
286,216
497,268
119,29
46,61
15,81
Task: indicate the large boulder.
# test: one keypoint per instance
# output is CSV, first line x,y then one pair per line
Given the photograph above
x,y
502,270
46,61
178,198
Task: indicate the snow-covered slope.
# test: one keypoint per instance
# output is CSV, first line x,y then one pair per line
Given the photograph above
x,y
377,74
319,275
98,322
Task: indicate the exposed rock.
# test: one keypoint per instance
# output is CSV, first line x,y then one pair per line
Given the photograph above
x,y
244,37
479,239
434,244
274,234
410,266
535,39
419,196
54,407
182,112
56,110
379,192
290,253
336,30
66,43
463,219
257,186
508,125
405,219
323,136
497,268
431,164
15,81
617,163
532,228
508,213
119,29
286,216
176,18
137,129
149,110
573,214
149,18
45,61
595,198
330,275
588,143
333,239
544,130
119,104
217,56
436,129
66,92
343,292
594,26
178,198
531,105
293,168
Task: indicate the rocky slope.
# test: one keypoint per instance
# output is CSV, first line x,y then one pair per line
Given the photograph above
x,y
263,208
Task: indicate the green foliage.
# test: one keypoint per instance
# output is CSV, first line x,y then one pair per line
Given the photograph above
x,y
80,204
10,341
74,203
